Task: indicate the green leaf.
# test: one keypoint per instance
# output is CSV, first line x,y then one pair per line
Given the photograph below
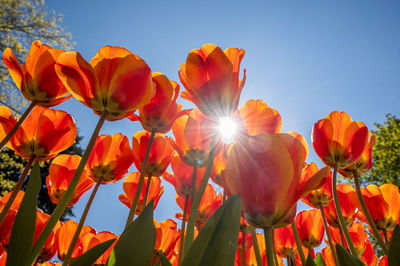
x,y
137,242
310,261
217,241
345,258
23,230
163,260
319,261
394,248
90,256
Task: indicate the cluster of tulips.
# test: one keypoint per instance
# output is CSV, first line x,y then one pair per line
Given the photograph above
x,y
262,171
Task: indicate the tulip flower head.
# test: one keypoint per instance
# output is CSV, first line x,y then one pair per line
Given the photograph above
x,y
211,79
115,81
167,236
368,256
357,234
7,121
61,171
285,243
36,78
319,197
162,110
110,159
101,238
51,246
310,227
160,156
266,170
338,140
44,134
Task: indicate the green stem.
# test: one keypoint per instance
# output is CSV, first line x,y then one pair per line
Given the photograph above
x,y
368,215
255,245
274,249
288,260
269,246
386,236
59,210
193,188
146,194
17,125
329,236
80,225
17,188
183,228
339,213
243,250
343,241
141,180
298,243
199,195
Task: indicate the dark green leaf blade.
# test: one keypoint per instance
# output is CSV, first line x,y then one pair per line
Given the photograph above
x,y
394,248
90,256
23,230
163,260
345,258
217,241
137,242
319,261
310,261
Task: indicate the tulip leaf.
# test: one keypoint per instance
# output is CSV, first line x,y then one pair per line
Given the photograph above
x,y
90,256
163,261
23,230
217,241
345,258
137,242
319,261
310,261
394,248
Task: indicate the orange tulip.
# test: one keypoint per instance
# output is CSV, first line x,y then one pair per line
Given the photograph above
x,y
182,177
61,171
6,225
310,227
162,110
357,234
327,256
36,78
338,140
285,243
209,203
250,256
211,79
130,185
193,134
383,204
369,257
115,81
363,163
44,134
16,203
51,246
219,165
273,162
319,197
383,261
7,121
258,118
110,159
348,204
64,236
167,235
160,156
100,238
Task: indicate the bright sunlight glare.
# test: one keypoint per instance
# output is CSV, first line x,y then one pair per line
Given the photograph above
x,y
227,128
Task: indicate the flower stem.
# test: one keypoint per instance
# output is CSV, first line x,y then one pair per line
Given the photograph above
x,y
274,249
342,240
57,213
17,125
183,228
193,188
141,180
339,213
199,195
146,194
329,236
298,243
243,250
386,236
17,188
255,245
269,246
368,215
80,225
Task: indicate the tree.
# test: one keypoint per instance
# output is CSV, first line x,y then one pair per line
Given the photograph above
x,y
22,22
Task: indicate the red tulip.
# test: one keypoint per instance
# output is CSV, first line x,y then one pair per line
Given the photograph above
x,y
310,227
211,79
51,246
285,243
36,78
369,257
115,81
319,197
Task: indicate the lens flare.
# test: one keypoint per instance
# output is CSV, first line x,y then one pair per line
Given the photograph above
x,y
227,128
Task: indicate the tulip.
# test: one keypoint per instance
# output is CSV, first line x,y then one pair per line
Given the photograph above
x,y
160,156
383,261
211,79
8,220
61,171
162,110
369,257
115,82
130,186
327,256
219,165
319,197
285,243
310,227
51,246
100,238
7,121
358,236
167,236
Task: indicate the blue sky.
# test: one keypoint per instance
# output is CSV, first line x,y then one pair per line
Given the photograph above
x,y
303,58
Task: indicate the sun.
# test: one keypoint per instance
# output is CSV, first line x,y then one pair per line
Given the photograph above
x,y
227,128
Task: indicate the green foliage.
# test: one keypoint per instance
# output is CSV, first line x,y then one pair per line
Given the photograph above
x,y
345,258
90,256
11,166
22,22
